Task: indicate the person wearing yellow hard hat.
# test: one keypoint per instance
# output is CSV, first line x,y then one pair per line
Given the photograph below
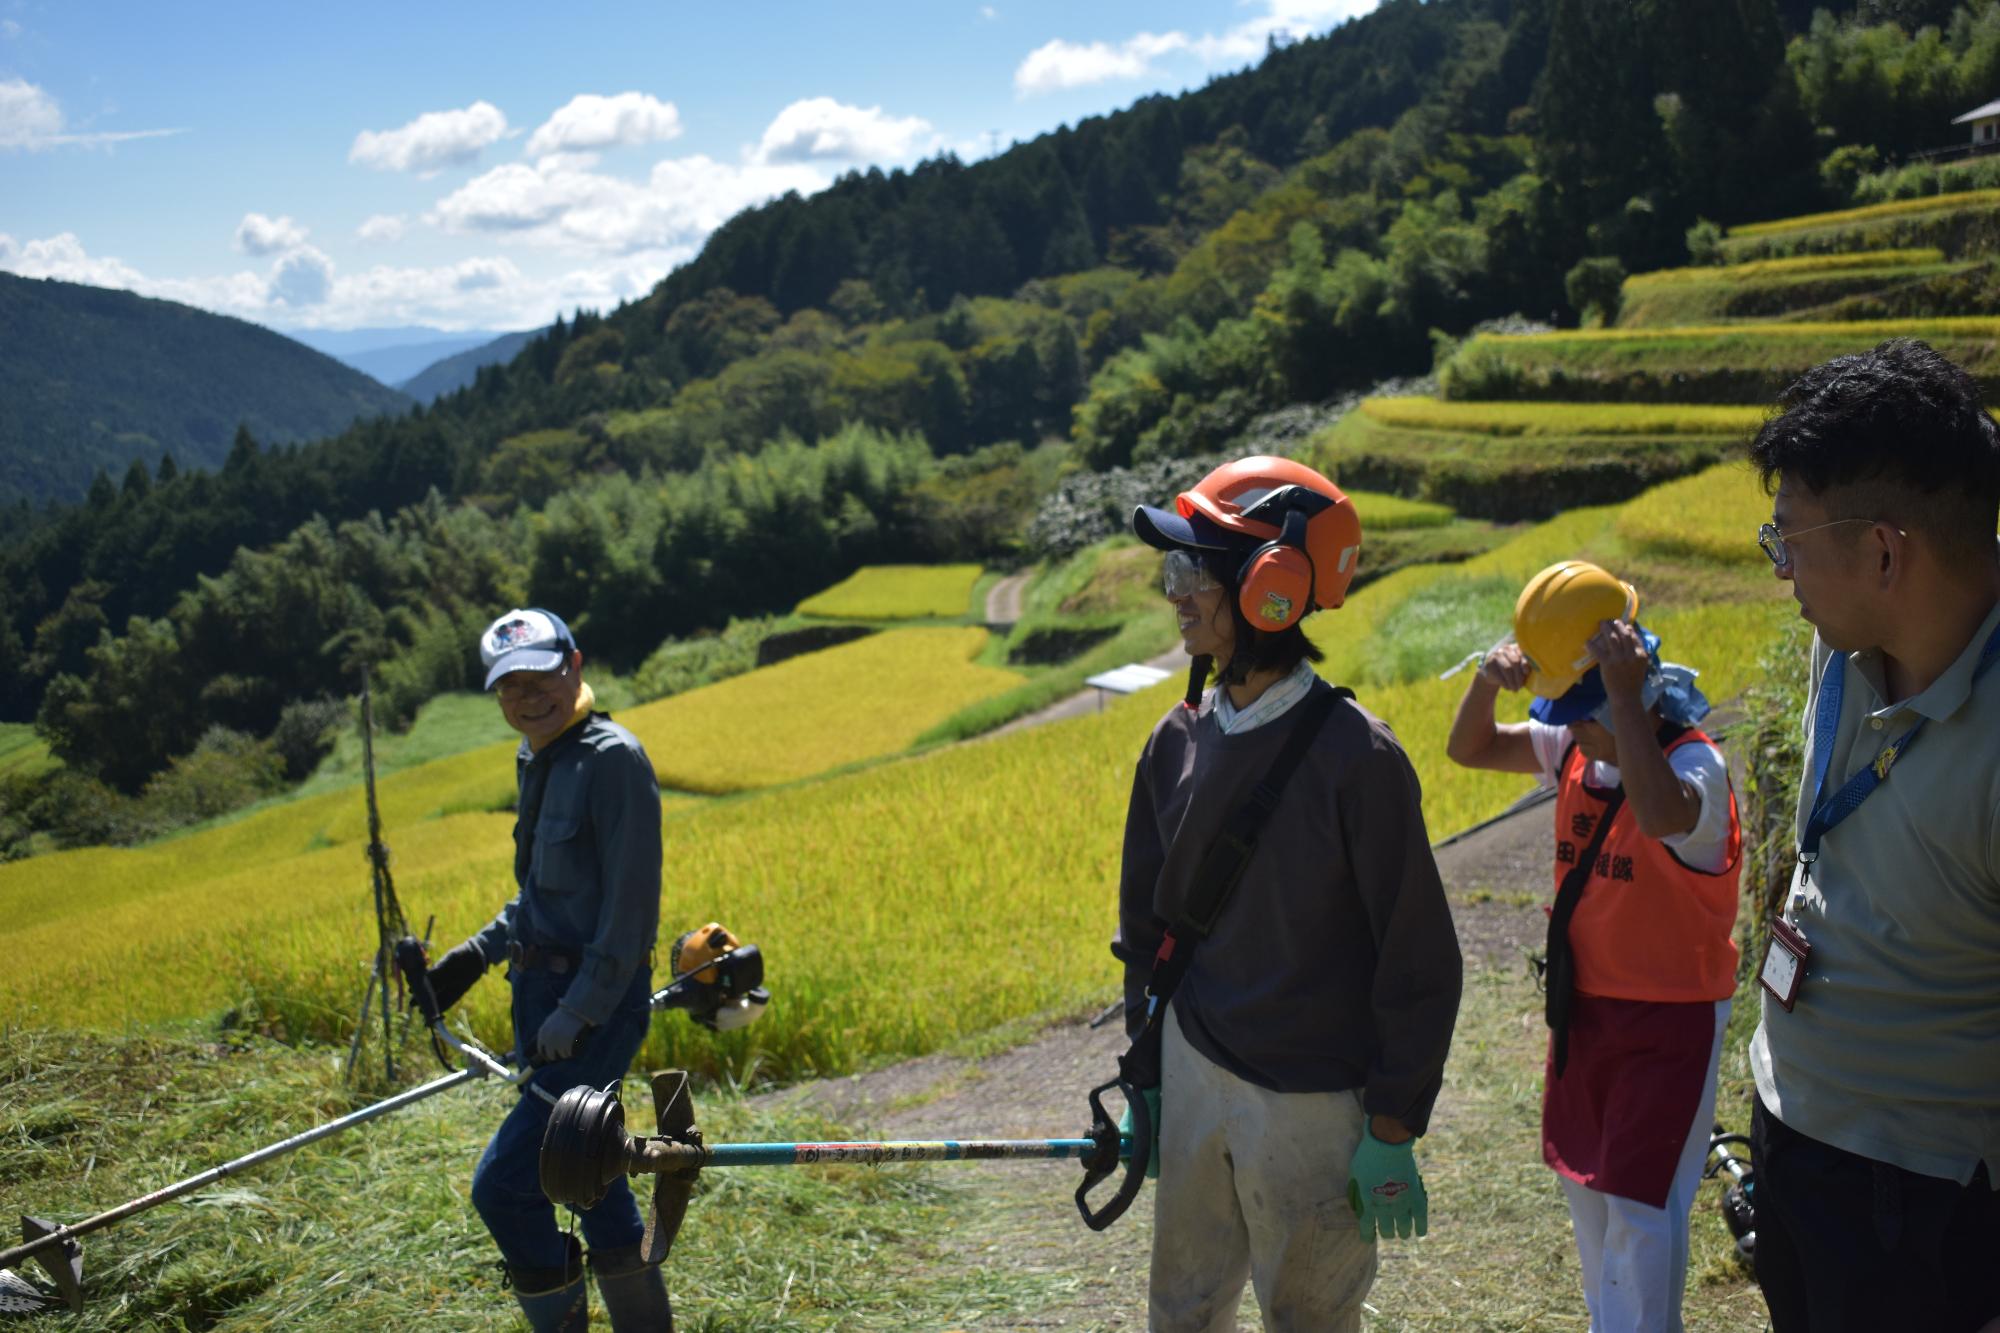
x,y
1291,973
1641,961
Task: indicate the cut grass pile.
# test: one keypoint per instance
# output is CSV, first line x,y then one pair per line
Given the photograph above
x,y
897,592
373,1229
1715,363
1513,460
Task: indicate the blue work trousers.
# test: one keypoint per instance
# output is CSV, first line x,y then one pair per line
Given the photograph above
x,y
506,1185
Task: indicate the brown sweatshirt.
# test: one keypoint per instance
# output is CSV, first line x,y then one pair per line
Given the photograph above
x,y
1335,965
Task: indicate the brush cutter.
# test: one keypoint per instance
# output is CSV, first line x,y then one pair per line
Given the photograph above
x,y
734,997
586,1148
1739,1200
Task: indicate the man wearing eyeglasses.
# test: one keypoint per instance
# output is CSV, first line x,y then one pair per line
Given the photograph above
x,y
1877,1129
577,939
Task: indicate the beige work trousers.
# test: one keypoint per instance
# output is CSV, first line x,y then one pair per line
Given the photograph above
x,y
1253,1184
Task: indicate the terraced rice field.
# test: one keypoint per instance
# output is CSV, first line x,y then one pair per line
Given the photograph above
x,y
943,864
1715,363
1518,460
896,592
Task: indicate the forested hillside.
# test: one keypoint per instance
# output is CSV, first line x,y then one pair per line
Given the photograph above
x,y
97,381
903,367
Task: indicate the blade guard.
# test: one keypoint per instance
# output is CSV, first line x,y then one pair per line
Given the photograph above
x,y
64,1263
1109,1147
674,1117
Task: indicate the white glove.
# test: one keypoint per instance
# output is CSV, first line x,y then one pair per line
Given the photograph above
x,y
558,1035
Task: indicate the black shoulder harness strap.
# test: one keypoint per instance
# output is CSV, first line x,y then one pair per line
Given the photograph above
x,y
1216,879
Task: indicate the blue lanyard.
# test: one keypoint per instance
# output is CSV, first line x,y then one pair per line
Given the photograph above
x,y
1829,811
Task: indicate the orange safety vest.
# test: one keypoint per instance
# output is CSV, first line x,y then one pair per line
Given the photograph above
x,y
1649,926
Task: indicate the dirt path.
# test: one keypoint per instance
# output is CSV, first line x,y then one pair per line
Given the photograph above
x,y
1022,1215
1086,701
1003,599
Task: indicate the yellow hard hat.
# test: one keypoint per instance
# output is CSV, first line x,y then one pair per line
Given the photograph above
x,y
1558,612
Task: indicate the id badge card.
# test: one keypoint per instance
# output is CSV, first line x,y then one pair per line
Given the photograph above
x,y
1785,963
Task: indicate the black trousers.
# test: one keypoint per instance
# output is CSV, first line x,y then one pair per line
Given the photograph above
x,y
1847,1244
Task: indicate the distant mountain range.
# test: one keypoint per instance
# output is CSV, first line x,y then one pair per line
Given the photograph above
x,y
94,378
456,371
391,355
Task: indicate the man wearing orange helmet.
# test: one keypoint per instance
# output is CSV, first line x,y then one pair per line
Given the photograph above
x,y
1289,955
1641,959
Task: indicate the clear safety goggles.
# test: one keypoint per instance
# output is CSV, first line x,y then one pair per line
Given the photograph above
x,y
1182,574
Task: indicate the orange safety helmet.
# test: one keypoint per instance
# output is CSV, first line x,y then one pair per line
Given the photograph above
x,y
1301,530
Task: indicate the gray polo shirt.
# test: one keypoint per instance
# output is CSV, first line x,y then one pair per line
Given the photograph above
x,y
1893,1048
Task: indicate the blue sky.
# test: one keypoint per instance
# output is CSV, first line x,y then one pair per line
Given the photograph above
x,y
485,166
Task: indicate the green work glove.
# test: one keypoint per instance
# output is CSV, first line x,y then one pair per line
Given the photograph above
x,y
1152,1096
1384,1189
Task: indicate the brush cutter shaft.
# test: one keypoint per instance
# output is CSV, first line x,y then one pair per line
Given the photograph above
x,y
653,1156
215,1173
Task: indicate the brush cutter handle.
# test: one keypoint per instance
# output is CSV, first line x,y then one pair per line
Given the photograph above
x,y
1108,1146
417,975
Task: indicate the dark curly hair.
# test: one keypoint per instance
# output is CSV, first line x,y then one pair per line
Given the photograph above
x,y
1256,649
1897,434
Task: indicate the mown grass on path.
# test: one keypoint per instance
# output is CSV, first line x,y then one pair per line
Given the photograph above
x,y
373,1229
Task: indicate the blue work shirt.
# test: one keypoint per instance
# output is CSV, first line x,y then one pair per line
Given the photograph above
x,y
589,869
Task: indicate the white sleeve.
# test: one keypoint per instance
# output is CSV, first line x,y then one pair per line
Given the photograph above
x,y
1706,845
1550,743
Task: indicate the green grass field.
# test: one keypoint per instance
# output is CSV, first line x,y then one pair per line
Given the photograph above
x,y
897,592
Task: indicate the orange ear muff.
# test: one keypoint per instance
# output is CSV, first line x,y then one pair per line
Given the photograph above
x,y
1276,586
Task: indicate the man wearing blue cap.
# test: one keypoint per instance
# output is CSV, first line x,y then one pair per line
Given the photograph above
x,y
1641,958
577,939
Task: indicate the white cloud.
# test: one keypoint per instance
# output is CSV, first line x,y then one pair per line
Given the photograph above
x,y
259,235
9,28
988,12
431,142
819,129
1057,65
303,277
590,121
552,203
382,228
306,290
33,120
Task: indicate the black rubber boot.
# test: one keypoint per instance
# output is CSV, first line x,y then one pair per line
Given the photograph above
x,y
556,1300
634,1293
